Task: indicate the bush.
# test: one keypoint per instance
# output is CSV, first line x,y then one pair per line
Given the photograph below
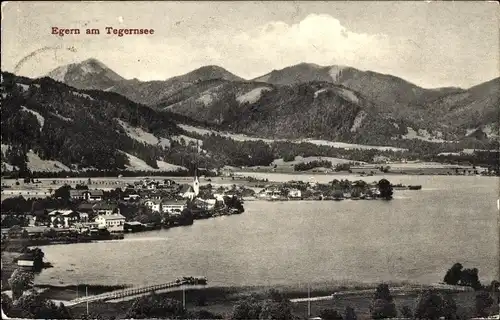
x,y
433,305
288,157
381,309
343,167
349,314
276,306
154,306
19,282
406,312
248,308
7,304
203,314
382,305
484,301
330,314
385,189
34,306
312,164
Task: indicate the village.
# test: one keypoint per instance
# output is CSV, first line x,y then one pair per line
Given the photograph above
x,y
76,214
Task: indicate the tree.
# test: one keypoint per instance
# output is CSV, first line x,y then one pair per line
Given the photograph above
x,y
20,281
330,314
470,277
494,286
38,256
382,305
276,310
7,304
63,192
432,305
275,306
248,308
33,305
50,233
81,187
155,306
406,312
385,188
454,274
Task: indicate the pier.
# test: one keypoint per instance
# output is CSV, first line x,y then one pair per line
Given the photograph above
x,y
136,291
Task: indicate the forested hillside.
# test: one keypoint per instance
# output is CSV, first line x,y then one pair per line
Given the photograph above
x,y
80,129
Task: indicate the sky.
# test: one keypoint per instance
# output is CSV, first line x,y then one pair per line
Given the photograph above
x,y
431,44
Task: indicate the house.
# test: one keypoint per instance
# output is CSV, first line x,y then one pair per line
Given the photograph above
x,y
132,196
104,208
168,182
31,220
36,231
93,195
294,194
207,204
26,261
84,217
173,206
89,195
112,222
186,192
219,196
86,226
154,205
63,218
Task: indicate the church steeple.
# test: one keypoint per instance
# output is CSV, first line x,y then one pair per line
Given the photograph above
x,y
196,183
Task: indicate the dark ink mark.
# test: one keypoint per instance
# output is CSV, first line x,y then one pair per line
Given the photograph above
x,y
37,52
31,55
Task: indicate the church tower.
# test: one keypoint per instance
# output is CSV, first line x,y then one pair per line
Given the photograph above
x,y
196,185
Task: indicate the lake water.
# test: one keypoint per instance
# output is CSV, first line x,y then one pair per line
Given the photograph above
x,y
415,237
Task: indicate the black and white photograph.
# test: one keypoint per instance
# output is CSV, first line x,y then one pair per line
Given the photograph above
x,y
260,160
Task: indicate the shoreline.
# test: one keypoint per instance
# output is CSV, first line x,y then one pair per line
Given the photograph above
x,y
291,291
222,299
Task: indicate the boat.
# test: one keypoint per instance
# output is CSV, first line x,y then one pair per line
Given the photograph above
x,y
399,187
419,187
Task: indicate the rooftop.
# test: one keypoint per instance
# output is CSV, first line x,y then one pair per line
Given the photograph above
x,y
104,206
61,212
173,202
113,217
96,192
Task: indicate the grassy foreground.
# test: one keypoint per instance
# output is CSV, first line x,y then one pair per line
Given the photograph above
x,y
221,300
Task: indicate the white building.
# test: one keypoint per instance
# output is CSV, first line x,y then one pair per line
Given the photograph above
x,y
63,218
154,205
112,222
173,206
294,193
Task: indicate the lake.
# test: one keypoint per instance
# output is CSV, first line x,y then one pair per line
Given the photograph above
x,y
415,237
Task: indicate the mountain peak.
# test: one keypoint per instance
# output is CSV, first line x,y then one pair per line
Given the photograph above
x,y
94,62
87,74
209,72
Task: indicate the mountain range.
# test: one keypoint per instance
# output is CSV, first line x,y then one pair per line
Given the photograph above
x,y
308,101
85,115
